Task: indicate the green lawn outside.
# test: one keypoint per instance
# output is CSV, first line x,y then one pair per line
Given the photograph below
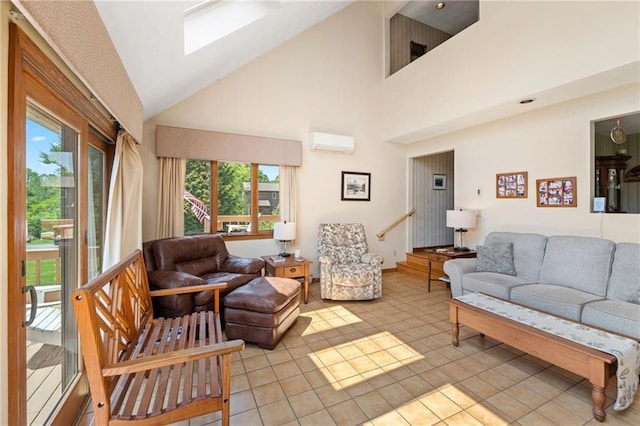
x,y
47,272
47,267
39,242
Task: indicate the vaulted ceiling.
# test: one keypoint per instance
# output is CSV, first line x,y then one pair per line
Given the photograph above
x,y
149,37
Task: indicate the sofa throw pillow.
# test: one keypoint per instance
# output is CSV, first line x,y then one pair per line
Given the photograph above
x,y
495,258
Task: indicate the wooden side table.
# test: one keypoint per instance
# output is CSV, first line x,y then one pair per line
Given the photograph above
x,y
289,267
435,261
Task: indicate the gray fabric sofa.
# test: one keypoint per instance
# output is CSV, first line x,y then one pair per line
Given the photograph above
x,y
591,280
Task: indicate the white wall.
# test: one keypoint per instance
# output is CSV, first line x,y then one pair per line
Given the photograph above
x,y
551,50
547,143
327,79
331,78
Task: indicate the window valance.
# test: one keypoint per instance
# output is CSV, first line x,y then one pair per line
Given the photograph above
x,y
75,31
194,144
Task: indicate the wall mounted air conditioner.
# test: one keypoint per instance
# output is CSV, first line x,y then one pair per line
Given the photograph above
x,y
319,141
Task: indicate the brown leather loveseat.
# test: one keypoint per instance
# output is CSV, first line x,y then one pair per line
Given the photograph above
x,y
192,260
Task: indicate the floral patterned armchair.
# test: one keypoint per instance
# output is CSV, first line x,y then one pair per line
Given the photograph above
x,y
347,270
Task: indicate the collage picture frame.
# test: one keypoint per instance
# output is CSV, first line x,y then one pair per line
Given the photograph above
x,y
512,185
557,192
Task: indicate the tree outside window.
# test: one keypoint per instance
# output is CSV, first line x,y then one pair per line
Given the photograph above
x,y
234,186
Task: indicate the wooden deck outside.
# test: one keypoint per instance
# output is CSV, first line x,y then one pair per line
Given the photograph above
x,y
44,380
44,350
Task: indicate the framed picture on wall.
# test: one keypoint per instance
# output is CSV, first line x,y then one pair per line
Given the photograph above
x,y
439,181
557,192
356,186
511,185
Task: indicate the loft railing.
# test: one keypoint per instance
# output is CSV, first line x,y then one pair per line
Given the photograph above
x,y
381,235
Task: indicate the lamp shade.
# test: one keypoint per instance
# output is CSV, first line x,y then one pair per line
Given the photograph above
x,y
284,231
462,219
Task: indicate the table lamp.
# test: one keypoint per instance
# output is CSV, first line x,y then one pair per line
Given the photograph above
x,y
285,232
461,220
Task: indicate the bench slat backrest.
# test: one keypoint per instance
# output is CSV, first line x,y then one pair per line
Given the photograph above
x,y
150,370
112,311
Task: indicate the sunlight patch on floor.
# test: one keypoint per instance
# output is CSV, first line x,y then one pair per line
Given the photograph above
x,y
358,360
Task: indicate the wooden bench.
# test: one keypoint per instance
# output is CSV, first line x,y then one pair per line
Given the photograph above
x,y
150,371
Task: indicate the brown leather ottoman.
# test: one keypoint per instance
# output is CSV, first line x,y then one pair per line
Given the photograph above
x,y
262,310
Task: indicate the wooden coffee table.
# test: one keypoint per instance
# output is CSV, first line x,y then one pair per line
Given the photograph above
x,y
589,363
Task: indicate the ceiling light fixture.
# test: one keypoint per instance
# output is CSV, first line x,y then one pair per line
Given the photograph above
x,y
440,6
526,101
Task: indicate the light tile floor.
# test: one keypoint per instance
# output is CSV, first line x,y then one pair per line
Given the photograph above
x,y
391,362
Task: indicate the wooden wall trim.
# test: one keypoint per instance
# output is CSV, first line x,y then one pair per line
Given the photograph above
x,y
40,66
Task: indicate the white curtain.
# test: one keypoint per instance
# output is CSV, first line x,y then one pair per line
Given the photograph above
x,y
171,197
124,210
93,268
288,193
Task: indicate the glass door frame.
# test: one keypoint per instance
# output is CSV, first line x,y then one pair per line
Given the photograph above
x,y
33,76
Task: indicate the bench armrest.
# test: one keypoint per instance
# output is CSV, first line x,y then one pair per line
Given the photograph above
x,y
191,289
174,357
173,279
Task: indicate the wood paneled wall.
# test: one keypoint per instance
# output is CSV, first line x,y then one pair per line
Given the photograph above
x,y
429,223
402,31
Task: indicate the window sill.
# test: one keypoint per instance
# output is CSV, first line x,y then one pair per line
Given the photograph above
x,y
239,236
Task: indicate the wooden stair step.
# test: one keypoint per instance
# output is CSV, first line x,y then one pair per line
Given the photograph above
x,y
412,268
417,259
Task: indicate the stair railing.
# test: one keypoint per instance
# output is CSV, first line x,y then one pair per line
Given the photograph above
x,y
381,235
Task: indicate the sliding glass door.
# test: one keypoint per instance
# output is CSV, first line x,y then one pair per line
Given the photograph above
x,y
51,205
58,173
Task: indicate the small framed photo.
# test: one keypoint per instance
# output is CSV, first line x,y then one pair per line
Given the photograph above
x,y
557,192
439,181
356,186
511,185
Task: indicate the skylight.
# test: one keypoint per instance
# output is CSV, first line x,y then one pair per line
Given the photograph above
x,y
212,20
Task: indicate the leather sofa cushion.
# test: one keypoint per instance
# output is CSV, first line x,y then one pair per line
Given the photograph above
x,y
198,267
263,294
173,306
260,319
233,281
172,279
171,252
